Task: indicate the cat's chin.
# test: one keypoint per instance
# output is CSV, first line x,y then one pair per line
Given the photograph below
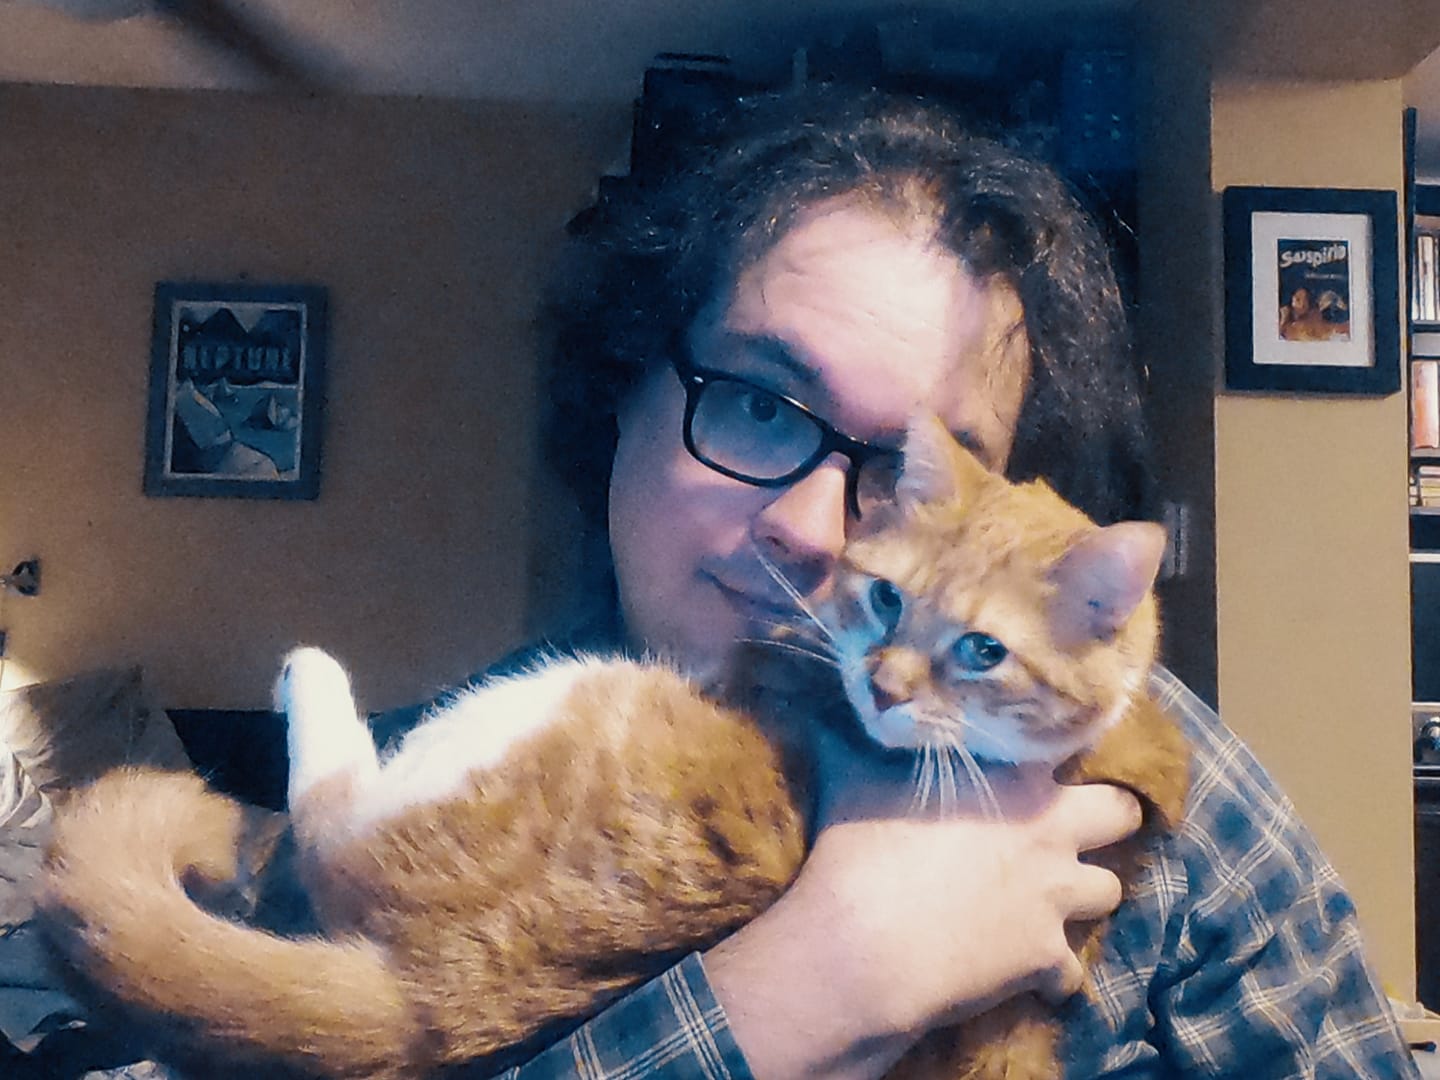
x,y
861,737
892,731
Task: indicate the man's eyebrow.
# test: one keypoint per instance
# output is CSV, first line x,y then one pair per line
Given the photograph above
x,y
775,352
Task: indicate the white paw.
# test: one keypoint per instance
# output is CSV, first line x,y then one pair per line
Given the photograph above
x,y
308,672
324,734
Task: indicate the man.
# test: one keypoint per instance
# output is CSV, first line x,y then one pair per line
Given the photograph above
x,y
833,266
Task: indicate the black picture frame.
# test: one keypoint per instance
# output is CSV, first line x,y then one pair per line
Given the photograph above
x,y
1341,248
237,391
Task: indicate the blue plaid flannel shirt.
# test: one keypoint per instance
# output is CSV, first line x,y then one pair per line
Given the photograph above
x,y
1237,956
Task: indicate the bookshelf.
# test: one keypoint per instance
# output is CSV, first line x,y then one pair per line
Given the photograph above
x,y
1424,372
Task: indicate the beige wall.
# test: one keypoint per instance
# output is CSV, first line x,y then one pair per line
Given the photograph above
x,y
430,224
1311,538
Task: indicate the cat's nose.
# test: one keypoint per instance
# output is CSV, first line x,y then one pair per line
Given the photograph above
x,y
885,698
897,673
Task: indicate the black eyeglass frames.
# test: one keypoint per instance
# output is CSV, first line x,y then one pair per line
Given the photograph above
x,y
762,437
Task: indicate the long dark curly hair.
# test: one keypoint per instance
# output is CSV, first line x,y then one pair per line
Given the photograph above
x,y
650,257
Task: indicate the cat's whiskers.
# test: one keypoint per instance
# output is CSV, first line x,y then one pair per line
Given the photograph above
x,y
928,771
949,784
796,597
937,762
815,652
923,777
978,781
804,632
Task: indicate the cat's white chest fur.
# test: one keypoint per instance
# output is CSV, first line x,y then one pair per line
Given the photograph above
x,y
475,731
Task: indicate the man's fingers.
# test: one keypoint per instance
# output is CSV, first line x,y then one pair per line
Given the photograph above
x,y
1063,982
1100,814
1098,894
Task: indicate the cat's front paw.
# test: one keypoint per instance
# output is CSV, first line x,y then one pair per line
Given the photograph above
x,y
309,671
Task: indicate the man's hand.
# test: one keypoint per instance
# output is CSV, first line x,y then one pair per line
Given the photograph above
x,y
902,921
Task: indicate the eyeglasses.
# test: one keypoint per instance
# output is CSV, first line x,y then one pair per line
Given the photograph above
x,y
759,437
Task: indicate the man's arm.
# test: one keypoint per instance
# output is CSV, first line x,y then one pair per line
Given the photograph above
x,y
670,1027
1268,975
897,924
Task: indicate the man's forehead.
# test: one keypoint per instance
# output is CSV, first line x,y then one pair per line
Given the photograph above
x,y
868,323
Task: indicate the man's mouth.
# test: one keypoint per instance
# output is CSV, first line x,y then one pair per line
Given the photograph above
x,y
757,606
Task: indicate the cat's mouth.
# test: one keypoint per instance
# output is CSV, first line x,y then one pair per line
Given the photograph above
x,y
894,726
883,699
907,727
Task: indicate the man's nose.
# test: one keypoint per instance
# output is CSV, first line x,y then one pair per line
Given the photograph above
x,y
802,530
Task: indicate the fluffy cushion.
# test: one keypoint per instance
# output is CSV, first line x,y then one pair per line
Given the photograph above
x,y
66,733
24,828
53,737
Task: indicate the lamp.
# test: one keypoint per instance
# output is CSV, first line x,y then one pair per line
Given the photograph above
x,y
24,580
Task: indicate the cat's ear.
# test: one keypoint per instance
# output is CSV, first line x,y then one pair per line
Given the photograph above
x,y
1102,579
934,467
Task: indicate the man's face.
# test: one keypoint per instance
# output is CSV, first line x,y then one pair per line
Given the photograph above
x,y
859,315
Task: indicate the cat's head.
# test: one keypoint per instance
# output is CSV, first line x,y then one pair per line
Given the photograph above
x,y
991,617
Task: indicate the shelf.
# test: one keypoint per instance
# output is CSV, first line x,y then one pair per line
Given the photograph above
x,y
1425,511
1427,453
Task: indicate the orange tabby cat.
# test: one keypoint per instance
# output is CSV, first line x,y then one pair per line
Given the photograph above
x,y
549,840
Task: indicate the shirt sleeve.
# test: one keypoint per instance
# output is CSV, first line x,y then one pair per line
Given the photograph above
x,y
1268,976
670,1028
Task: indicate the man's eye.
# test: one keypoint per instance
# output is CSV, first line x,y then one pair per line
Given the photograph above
x,y
760,406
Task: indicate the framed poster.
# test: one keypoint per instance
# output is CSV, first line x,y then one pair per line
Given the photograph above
x,y
236,391
1312,290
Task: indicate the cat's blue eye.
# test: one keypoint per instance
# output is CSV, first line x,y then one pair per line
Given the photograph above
x,y
978,652
886,602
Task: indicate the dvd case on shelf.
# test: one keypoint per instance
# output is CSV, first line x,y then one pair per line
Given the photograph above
x,y
1425,268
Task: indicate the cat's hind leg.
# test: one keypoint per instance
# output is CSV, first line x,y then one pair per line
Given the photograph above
x,y
332,754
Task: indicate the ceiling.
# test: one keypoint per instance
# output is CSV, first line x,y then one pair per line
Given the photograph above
x,y
534,50
573,51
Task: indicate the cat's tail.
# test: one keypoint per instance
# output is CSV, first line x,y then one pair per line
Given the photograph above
x,y
114,903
